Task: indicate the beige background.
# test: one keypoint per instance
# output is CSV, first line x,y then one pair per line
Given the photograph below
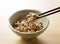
x,y
50,36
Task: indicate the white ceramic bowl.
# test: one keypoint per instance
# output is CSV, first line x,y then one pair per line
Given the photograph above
x,y
22,13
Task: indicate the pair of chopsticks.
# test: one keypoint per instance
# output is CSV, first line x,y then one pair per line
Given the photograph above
x,y
50,12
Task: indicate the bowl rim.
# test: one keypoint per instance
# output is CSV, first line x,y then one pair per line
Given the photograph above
x,y
27,32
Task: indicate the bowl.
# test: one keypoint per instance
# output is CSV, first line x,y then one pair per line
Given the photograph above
x,y
22,13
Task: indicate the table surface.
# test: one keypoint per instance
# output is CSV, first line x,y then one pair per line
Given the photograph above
x,y
8,7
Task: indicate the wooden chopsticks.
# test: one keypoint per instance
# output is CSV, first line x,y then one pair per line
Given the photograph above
x,y
50,12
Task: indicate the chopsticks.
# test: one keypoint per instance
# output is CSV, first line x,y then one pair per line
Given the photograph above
x,y
50,12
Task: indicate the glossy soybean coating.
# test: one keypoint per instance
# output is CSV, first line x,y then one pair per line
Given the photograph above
x,y
50,12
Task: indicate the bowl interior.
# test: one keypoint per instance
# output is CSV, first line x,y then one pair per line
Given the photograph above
x,y
22,13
